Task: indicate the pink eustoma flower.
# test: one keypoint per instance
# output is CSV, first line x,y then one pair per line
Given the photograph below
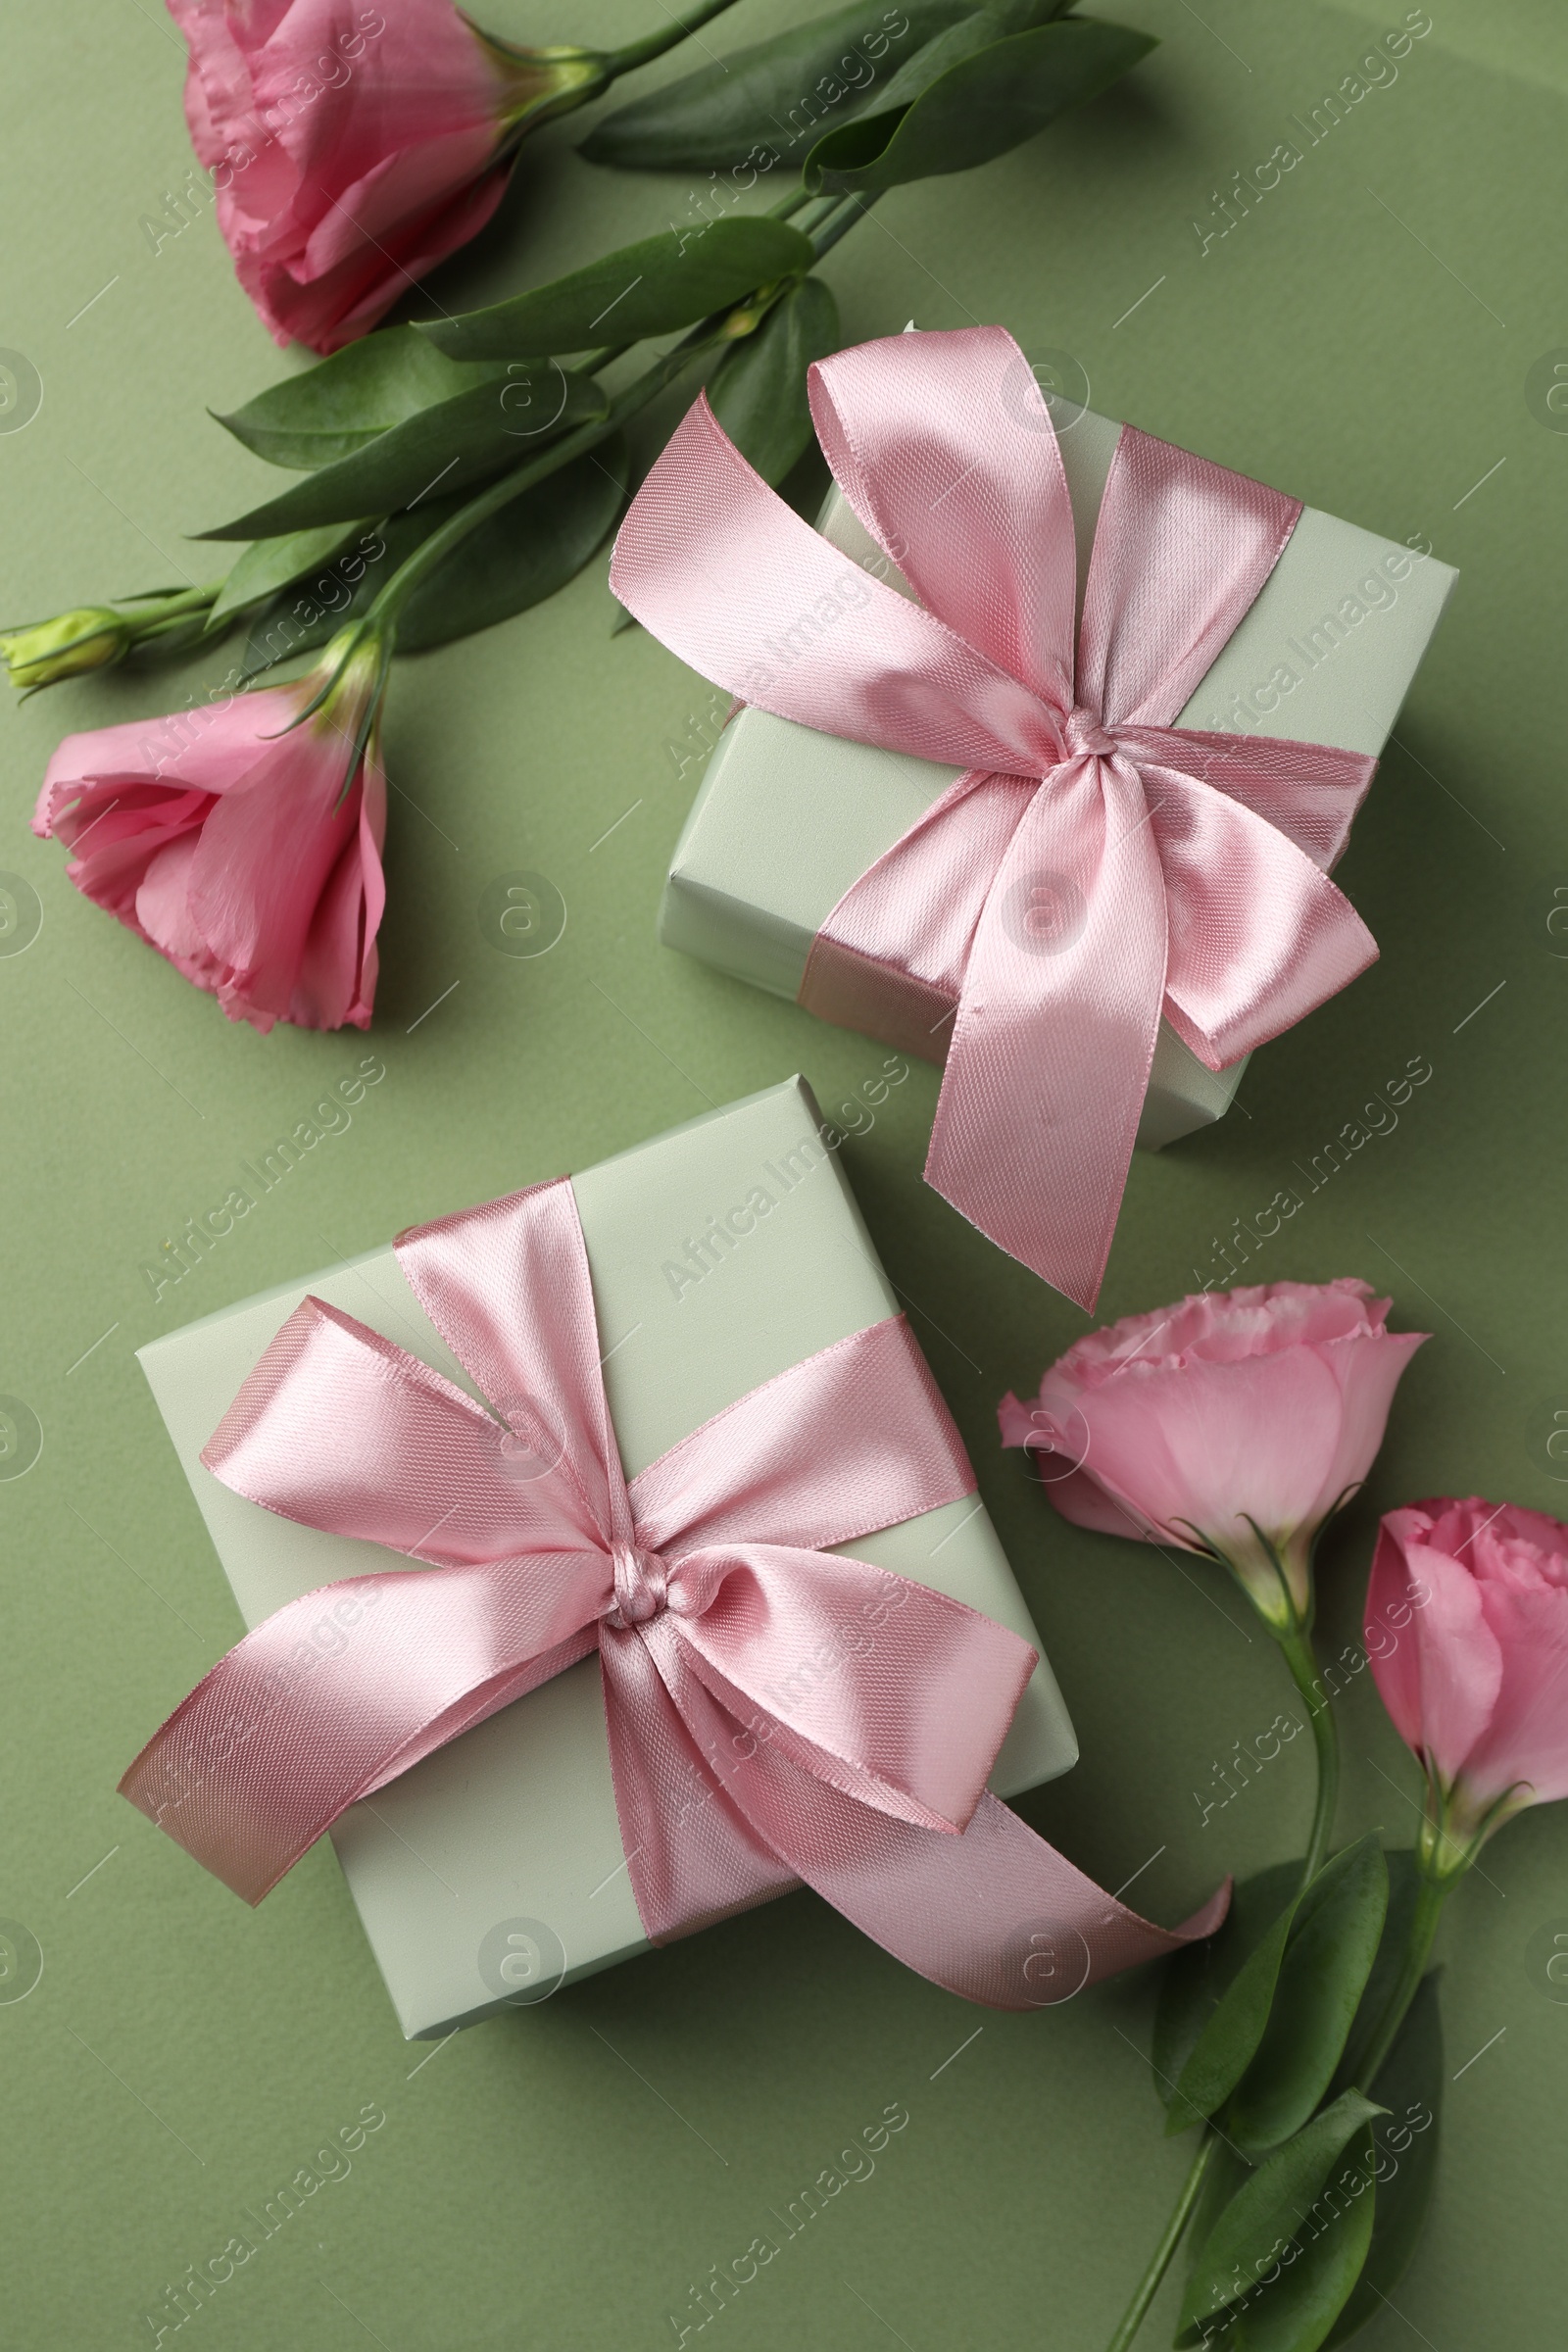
x,y
353,148
1467,1630
1232,1424
248,854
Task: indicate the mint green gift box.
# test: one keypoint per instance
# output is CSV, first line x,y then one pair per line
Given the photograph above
x,y
788,819
494,1871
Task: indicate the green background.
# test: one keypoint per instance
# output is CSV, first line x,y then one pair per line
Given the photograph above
x,y
559,2177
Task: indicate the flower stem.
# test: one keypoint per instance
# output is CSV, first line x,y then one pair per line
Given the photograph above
x,y
737,318
1147,2286
178,610
708,332
836,224
498,493
667,36
1296,1644
1433,1894
790,204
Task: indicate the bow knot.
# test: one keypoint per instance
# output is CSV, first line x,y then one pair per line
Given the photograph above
x,y
1083,735
642,1587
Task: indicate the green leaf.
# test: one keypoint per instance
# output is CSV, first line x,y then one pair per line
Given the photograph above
x,y
1196,1978
271,563
765,99
532,547
314,607
1317,2272
758,391
522,554
1288,2200
1409,2086
979,108
665,282
1328,1958
1226,2040
450,447
1404,1887
345,402
966,38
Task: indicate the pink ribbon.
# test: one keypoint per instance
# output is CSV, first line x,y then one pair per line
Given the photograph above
x,y
1094,865
775,1712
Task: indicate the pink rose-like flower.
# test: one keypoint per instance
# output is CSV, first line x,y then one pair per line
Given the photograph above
x,y
353,148
1232,1424
1475,1672
251,858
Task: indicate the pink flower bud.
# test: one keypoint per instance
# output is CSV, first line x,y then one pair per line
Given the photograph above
x,y
1467,1628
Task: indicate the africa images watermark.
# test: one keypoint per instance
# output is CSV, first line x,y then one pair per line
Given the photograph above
x,y
722,2284
703,1253
1333,2201
1246,191
200,1235
188,2296
850,77
270,1689
1382,1640
259,130
1379,1116
317,597
1378,591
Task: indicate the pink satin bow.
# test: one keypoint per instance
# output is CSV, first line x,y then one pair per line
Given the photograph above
x,y
1094,865
775,1712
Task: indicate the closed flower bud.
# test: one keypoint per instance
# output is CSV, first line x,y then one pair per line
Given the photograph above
x,y
91,638
1477,1678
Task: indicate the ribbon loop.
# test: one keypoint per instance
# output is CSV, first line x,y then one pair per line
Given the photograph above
x,y
1020,908
775,1710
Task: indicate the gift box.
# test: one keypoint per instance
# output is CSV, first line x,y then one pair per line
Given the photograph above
x,y
1051,741
722,1254
787,818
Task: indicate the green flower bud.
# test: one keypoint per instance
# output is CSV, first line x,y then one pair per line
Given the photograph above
x,y
91,638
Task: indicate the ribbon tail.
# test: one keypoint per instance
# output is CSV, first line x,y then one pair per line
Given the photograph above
x,y
999,1916
340,1691
692,1855
1051,1048
995,1915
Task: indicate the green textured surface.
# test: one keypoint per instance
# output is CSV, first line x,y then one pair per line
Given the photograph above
x,y
561,2179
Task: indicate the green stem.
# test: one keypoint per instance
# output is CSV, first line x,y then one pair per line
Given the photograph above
x,y
1433,1894
717,329
1147,2286
788,206
838,223
434,551
669,36
1296,1643
183,601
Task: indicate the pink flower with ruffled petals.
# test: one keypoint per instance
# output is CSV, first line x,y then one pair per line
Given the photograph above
x,y
248,854
353,148
1476,1673
1232,1423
